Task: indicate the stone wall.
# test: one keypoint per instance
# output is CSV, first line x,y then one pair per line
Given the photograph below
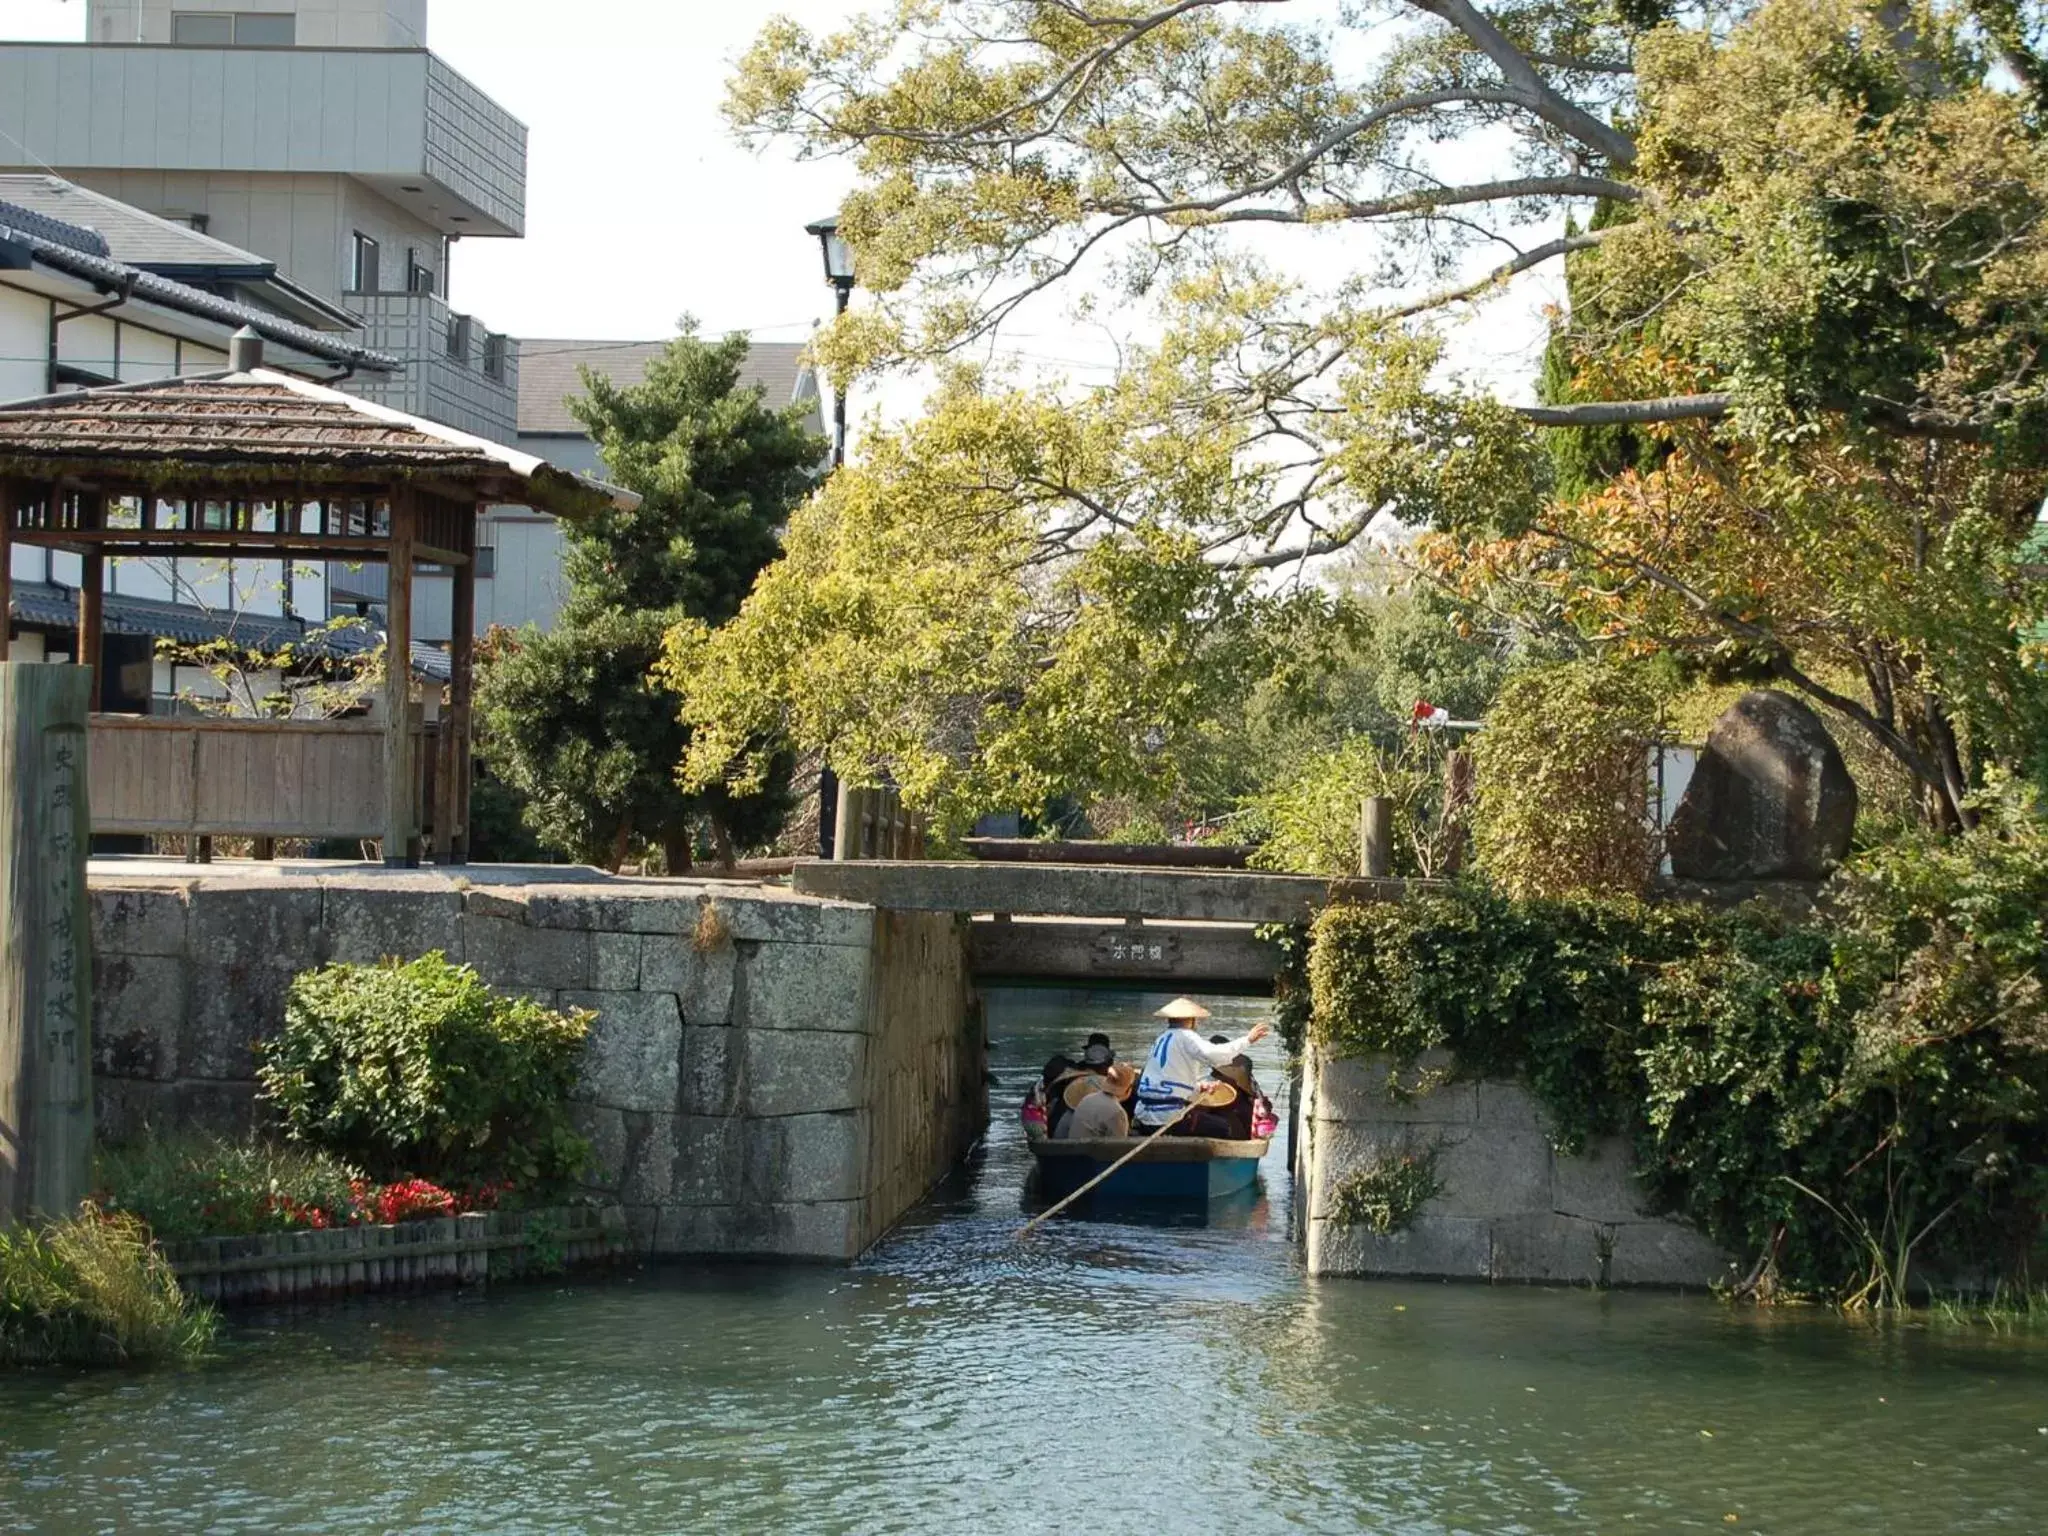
x,y
769,1074
1511,1209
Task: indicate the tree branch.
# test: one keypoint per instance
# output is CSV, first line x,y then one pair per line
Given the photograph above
x,y
1614,413
1545,101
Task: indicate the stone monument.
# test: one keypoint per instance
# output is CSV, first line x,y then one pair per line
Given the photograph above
x,y
1769,800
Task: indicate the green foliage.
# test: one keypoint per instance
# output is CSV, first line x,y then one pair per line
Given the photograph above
x,y
1384,1195
207,1186
422,1069
93,1290
1845,1099
1309,822
573,721
1563,781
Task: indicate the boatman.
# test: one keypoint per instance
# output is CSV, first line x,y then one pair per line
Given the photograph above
x,y
1180,1063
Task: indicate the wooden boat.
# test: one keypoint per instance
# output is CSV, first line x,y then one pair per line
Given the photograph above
x,y
1171,1168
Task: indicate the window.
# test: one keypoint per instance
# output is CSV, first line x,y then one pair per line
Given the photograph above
x,y
199,30
363,267
259,30
234,29
458,338
418,278
199,221
494,355
486,562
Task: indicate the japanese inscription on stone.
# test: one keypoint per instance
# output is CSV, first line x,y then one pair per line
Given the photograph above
x,y
1136,949
60,941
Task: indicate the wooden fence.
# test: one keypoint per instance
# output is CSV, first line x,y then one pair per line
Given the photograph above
x,y
245,778
442,1252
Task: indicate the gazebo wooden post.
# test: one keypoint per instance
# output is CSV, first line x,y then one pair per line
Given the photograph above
x,y
92,584
9,493
401,776
451,817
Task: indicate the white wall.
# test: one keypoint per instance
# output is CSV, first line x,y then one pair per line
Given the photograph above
x,y
24,344
322,23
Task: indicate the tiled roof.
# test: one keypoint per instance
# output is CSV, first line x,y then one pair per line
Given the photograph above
x,y
171,294
266,418
548,375
131,235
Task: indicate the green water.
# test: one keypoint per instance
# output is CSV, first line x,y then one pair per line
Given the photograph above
x,y
1105,1376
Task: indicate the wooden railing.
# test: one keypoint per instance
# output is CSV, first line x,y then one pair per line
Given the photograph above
x,y
873,824
244,778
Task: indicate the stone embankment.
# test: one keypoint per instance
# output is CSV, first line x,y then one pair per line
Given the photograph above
x,y
769,1074
1510,1208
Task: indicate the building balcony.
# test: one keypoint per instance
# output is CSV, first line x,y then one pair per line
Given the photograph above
x,y
456,371
399,120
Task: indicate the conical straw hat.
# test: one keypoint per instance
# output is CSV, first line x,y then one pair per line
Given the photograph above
x,y
1183,1008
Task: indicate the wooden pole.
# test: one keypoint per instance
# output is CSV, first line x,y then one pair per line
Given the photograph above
x,y
9,493
1376,837
92,633
401,778
45,951
1460,790
458,728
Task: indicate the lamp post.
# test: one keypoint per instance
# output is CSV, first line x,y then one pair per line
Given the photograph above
x,y
839,273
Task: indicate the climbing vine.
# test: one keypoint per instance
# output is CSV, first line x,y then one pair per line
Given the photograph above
x,y
1855,1100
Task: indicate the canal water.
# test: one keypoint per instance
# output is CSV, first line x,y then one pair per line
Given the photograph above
x,y
1104,1375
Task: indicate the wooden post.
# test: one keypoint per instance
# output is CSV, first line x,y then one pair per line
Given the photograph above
x,y
9,492
45,949
1460,790
401,777
92,592
1376,837
452,846
846,823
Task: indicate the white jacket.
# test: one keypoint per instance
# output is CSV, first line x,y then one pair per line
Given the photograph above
x,y
1179,1064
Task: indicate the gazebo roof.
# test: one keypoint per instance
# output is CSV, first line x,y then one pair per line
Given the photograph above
x,y
262,425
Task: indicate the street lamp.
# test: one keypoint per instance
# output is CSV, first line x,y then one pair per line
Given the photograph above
x,y
839,273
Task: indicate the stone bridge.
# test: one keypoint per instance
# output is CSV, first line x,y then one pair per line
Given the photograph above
x,y
1177,928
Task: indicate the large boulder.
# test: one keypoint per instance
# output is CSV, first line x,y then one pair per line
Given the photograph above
x,y
1769,800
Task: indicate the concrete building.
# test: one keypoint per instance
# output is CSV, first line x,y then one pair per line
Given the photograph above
x,y
318,133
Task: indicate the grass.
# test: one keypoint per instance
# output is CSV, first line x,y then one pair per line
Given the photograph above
x,y
93,1290
204,1186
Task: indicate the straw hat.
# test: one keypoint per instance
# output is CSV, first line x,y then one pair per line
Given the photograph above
x,y
1183,1008
1214,1094
1114,1081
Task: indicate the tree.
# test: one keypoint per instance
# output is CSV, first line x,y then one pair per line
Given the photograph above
x,y
1811,255
573,720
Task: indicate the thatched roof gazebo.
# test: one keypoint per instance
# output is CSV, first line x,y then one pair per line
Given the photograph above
x,y
257,465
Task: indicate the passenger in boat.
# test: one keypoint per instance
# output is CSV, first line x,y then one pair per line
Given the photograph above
x,y
1098,1052
1250,1113
1096,1106
1042,1104
1180,1062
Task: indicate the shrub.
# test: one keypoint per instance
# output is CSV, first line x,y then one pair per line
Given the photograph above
x,y
1308,824
93,1290
422,1069
1563,781
1384,1196
1846,1099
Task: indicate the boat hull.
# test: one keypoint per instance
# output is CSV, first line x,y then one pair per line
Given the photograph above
x,y
1176,1168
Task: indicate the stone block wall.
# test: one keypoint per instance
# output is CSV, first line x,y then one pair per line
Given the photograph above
x,y
1511,1208
768,1075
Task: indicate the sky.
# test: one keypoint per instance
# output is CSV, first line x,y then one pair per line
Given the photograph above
x,y
641,207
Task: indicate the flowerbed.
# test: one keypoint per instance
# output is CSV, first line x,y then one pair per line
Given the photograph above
x,y
207,1187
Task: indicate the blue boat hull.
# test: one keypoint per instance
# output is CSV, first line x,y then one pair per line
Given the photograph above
x,y
1180,1169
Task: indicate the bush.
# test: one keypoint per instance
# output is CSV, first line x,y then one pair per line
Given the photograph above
x,y
203,1186
1308,824
422,1069
1846,1099
1563,781
93,1290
